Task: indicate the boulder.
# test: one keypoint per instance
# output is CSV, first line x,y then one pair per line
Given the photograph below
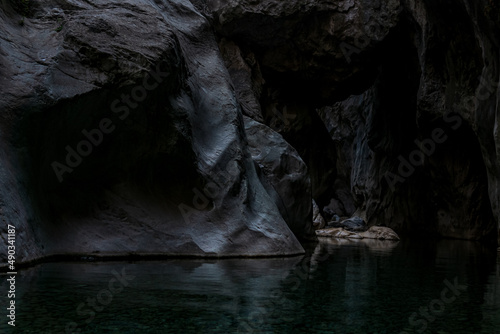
x,y
350,224
354,224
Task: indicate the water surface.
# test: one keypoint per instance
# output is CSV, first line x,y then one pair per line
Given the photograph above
x,y
338,287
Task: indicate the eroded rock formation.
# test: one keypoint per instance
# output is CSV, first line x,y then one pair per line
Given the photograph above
x,y
206,127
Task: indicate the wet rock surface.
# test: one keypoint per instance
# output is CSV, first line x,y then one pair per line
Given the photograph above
x,y
374,232
207,128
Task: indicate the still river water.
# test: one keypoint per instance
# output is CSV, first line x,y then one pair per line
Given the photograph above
x,y
337,287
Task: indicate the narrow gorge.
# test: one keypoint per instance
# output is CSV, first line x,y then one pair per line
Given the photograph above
x,y
206,128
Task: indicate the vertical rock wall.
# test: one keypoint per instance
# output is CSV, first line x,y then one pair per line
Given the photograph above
x,y
207,127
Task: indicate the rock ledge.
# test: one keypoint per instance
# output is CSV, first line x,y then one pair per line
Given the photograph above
x,y
374,232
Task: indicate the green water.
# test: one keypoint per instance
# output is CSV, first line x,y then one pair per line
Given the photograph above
x,y
338,287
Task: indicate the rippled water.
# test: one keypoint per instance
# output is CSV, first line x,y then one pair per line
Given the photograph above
x,y
339,287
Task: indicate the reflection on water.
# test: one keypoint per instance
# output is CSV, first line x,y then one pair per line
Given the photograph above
x,y
340,286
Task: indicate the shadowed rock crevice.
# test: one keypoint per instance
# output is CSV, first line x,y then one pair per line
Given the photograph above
x,y
401,174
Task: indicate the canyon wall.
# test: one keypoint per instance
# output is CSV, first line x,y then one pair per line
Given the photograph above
x,y
206,128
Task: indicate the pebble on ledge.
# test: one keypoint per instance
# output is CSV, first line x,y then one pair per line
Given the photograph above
x,y
374,232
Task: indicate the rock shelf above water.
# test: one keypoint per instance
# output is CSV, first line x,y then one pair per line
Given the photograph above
x,y
374,232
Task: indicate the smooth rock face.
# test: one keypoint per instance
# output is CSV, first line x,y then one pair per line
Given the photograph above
x,y
167,172
283,174
122,125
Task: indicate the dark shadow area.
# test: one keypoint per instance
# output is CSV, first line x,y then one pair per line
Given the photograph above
x,y
80,149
